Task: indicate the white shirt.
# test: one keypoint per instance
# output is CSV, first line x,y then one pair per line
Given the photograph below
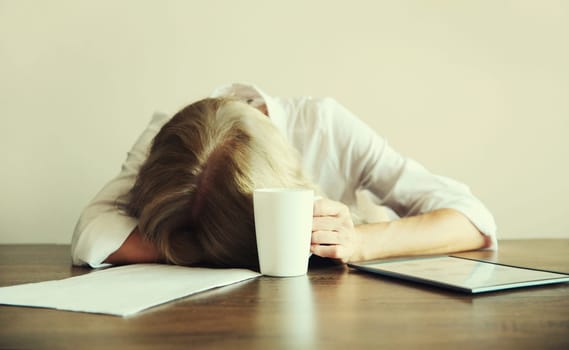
x,y
339,153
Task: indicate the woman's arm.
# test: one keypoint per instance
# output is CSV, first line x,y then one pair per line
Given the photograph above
x,y
135,250
438,214
102,228
438,232
441,231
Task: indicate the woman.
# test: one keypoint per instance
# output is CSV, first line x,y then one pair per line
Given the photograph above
x,y
186,196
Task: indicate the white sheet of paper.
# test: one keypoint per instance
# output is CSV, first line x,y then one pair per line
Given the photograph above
x,y
122,291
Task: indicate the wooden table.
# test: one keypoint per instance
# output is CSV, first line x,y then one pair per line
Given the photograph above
x,y
334,307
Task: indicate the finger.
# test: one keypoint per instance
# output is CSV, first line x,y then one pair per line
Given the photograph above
x,y
326,237
331,251
328,207
326,223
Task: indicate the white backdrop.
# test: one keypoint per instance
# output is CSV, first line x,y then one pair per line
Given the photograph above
x,y
475,90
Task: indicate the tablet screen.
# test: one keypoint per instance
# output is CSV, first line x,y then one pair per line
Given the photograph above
x,y
464,274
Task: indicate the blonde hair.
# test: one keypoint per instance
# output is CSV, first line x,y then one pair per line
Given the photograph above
x,y
194,194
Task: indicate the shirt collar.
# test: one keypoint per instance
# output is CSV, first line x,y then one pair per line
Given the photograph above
x,y
254,96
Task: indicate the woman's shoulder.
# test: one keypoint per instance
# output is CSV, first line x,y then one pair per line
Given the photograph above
x,y
315,111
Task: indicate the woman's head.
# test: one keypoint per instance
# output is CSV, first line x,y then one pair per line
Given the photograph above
x,y
193,195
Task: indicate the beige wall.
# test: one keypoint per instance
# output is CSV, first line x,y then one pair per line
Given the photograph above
x,y
477,90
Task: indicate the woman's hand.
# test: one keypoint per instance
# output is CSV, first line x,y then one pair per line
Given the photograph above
x,y
333,233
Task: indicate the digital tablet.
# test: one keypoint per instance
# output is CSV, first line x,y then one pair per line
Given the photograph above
x,y
461,274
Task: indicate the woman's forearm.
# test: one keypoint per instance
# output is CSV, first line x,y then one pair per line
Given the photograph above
x,y
135,250
438,232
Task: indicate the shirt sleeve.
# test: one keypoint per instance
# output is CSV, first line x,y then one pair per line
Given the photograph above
x,y
102,228
402,184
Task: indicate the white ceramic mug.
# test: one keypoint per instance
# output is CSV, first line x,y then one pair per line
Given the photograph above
x,y
283,225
